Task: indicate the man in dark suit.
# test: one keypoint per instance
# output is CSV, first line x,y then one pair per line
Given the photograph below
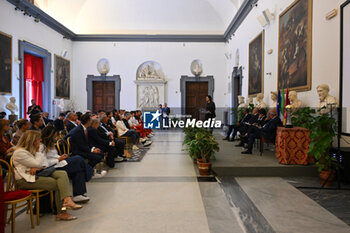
x,y
34,108
95,140
246,117
58,123
166,113
46,118
108,133
71,123
268,130
79,141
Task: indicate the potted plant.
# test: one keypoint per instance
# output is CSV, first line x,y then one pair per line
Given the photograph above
x,y
189,137
322,132
205,143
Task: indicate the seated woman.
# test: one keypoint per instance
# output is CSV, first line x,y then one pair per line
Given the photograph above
x,y
27,161
76,167
6,147
23,125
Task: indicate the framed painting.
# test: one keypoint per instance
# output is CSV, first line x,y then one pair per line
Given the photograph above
x,y
5,63
295,46
256,65
62,77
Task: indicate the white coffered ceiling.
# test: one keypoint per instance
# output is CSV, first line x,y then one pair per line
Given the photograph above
x,y
142,16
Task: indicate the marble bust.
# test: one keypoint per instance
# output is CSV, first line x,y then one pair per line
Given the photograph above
x,y
11,106
294,101
250,101
325,99
260,99
103,66
197,67
241,102
274,99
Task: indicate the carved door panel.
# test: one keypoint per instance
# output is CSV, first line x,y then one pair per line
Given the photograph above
x,y
195,98
103,96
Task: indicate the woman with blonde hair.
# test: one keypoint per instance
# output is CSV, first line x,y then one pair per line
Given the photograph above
x,y
28,162
6,147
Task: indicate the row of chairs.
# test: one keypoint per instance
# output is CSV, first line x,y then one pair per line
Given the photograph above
x,y
13,196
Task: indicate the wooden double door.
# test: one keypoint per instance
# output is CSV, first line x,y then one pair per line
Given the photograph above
x,y
195,99
103,96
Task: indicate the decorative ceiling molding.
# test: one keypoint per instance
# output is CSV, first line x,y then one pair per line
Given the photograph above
x,y
151,38
38,14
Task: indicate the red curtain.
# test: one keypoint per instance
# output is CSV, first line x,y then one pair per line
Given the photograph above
x,y
34,73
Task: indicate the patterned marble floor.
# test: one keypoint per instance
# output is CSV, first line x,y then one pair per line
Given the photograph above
x,y
162,194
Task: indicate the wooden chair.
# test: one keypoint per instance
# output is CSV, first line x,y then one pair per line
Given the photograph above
x,y
12,196
262,141
128,140
37,193
61,146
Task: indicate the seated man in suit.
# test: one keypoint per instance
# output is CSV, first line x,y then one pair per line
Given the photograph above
x,y
246,117
71,123
79,141
256,123
46,118
268,131
107,133
105,145
58,123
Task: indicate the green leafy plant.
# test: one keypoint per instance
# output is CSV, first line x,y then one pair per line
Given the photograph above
x,y
200,143
322,131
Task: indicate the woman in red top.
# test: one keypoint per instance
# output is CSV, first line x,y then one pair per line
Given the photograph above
x,y
5,145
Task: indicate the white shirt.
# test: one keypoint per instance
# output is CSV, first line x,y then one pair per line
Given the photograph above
x,y
121,128
133,122
23,161
51,157
74,123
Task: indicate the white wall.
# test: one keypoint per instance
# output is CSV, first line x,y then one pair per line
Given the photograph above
x,y
125,58
325,47
22,27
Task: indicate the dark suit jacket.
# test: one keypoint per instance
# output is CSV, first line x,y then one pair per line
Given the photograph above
x,y
253,119
262,121
47,120
58,124
245,118
78,142
70,126
270,128
95,140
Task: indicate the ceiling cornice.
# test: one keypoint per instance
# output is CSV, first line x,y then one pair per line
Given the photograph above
x,y
37,13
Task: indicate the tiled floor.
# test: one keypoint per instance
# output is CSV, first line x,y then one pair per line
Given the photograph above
x,y
162,194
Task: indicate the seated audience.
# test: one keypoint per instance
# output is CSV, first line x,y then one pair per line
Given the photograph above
x,y
239,125
79,141
23,125
106,145
108,133
59,123
46,118
125,131
71,123
268,130
37,122
6,147
27,161
76,167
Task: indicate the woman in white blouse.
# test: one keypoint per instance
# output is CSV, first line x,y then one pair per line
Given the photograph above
x,y
76,167
27,161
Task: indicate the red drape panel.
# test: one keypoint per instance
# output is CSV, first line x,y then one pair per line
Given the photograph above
x,y
34,72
